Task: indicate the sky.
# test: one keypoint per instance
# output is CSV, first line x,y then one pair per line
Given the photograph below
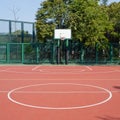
x,y
25,9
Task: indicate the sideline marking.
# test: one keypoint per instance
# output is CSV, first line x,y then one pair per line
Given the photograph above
x,y
60,108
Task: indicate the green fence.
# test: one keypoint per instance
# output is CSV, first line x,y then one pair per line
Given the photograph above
x,y
49,53
18,44
17,31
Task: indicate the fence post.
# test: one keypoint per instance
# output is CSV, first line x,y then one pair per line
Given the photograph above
x,y
8,53
10,30
82,54
58,51
22,52
33,32
37,54
53,51
22,32
66,51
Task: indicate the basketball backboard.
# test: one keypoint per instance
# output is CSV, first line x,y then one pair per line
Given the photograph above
x,y
62,34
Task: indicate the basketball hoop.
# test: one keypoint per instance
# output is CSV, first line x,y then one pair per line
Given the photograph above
x,y
62,38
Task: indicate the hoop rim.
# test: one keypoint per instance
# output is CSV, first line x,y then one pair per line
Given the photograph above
x,y
62,38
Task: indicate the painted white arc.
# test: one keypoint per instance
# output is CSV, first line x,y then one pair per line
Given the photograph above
x,y
60,108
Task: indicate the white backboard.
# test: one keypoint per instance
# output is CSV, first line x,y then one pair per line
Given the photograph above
x,y
62,33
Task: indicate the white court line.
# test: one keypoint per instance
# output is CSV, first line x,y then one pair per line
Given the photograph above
x,y
89,68
60,92
60,72
35,68
53,79
4,70
59,108
55,92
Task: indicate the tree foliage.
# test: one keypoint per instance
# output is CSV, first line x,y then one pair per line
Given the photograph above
x,y
114,17
90,22
50,15
104,2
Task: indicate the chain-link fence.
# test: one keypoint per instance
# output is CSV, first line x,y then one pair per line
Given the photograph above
x,y
18,44
50,53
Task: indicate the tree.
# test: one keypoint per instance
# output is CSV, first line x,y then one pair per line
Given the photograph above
x,y
114,35
87,19
51,15
89,22
104,2
114,17
15,11
46,19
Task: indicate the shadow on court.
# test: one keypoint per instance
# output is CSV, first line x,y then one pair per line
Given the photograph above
x,y
116,87
108,118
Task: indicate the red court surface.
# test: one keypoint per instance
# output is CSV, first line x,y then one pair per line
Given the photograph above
x,y
37,92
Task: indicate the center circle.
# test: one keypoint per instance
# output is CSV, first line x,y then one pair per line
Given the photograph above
x,y
101,89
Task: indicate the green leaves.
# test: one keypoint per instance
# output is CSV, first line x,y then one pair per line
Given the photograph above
x,y
90,22
51,15
114,17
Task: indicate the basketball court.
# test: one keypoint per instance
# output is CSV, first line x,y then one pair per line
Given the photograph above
x,y
51,92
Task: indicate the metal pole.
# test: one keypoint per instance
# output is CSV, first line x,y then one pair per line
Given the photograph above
x,y
22,32
8,53
58,51
22,52
10,30
66,51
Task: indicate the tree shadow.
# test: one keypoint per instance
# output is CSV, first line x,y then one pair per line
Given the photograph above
x,y
116,87
108,118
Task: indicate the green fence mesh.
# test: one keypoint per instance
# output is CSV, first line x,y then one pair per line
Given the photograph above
x,y
3,52
18,44
49,53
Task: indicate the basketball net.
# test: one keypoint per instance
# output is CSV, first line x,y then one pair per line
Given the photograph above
x,y
62,38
